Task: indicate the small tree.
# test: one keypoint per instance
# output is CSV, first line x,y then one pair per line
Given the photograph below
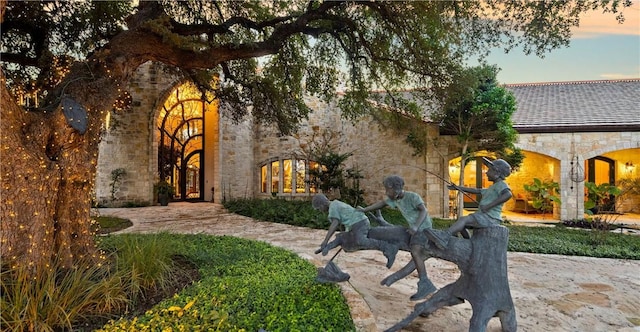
x,y
116,179
477,111
353,194
330,175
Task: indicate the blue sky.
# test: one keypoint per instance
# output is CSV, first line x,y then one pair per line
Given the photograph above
x,y
600,49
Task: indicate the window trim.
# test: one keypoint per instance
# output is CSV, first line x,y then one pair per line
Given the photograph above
x,y
266,179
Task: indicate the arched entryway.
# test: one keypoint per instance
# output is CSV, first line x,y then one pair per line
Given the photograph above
x,y
602,170
182,142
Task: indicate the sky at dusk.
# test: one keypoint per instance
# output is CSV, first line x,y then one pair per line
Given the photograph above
x,y
600,49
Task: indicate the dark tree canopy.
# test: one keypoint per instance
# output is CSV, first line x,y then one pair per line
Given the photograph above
x,y
262,56
477,110
270,54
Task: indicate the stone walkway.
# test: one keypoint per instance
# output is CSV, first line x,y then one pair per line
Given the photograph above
x,y
550,292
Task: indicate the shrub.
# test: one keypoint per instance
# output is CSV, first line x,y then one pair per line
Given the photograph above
x,y
554,240
543,194
143,262
297,213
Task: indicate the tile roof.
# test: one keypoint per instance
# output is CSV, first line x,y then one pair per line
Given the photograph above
x,y
608,105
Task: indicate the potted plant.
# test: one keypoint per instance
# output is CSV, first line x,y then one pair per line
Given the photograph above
x,y
164,190
543,194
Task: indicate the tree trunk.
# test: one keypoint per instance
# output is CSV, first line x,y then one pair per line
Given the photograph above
x,y
49,163
47,176
483,281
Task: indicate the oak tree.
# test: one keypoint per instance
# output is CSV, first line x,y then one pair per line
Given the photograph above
x,y
66,65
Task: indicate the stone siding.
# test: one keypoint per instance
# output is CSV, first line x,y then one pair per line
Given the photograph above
x,y
566,147
129,142
234,153
237,165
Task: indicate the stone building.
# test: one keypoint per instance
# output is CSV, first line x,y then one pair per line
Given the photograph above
x,y
215,159
577,132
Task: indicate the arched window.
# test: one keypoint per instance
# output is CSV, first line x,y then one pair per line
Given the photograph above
x,y
287,177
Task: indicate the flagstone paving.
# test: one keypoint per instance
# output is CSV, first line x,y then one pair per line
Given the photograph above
x,y
550,292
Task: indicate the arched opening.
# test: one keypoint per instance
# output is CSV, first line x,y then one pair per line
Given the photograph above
x,y
181,142
602,170
473,177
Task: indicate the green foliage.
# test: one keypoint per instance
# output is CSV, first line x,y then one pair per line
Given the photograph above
x,y
387,46
572,242
246,286
106,224
55,297
65,30
477,110
544,240
145,263
116,178
513,156
600,198
352,193
544,194
330,176
297,213
163,188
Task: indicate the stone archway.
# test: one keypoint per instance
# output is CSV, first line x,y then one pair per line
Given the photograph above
x,y
130,141
187,143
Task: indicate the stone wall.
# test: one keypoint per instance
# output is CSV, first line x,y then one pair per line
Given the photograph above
x,y
566,147
377,152
232,164
235,174
129,142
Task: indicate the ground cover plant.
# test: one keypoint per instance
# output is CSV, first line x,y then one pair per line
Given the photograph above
x,y
245,285
185,282
57,297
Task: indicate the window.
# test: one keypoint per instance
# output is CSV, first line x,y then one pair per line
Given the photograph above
x,y
275,176
301,166
293,174
263,179
287,178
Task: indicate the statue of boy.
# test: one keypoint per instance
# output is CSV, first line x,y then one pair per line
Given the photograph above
x,y
414,211
489,211
357,227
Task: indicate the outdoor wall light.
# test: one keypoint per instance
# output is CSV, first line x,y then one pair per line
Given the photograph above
x,y
629,166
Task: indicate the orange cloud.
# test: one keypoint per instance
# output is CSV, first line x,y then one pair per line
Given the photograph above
x,y
596,23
